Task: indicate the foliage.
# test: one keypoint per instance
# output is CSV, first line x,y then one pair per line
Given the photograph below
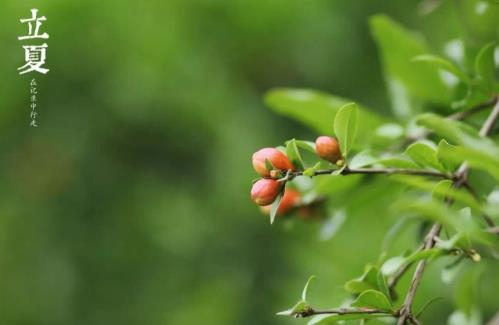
x,y
449,147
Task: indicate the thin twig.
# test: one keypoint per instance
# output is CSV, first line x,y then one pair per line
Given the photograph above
x,y
392,282
389,171
344,311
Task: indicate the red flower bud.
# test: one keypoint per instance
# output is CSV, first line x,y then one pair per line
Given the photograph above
x,y
290,200
276,157
265,191
328,148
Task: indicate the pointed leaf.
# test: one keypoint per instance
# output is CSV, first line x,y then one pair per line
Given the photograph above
x,y
305,289
345,126
485,68
423,155
294,154
372,299
317,110
275,206
397,47
443,64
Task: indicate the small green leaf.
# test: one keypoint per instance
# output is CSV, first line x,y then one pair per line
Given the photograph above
x,y
345,126
275,206
269,165
443,64
397,162
383,286
368,280
331,319
307,145
362,159
311,171
372,299
305,289
298,308
423,155
455,131
442,189
294,154
486,160
448,164
485,68
392,265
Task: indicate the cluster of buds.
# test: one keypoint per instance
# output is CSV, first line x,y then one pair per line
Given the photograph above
x,y
272,164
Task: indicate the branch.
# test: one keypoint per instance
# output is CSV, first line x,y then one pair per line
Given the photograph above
x,y
392,283
493,230
389,171
344,311
461,178
480,107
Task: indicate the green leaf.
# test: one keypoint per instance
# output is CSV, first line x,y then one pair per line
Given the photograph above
x,y
317,110
383,286
305,289
397,47
439,212
300,307
486,160
269,165
307,145
369,280
391,265
275,206
345,126
423,155
485,68
448,164
443,64
362,159
372,299
311,171
442,189
439,189
331,319
455,131
294,154
397,162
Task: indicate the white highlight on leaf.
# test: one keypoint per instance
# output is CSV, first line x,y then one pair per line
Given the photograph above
x,y
390,131
481,7
454,49
448,78
399,98
493,197
301,95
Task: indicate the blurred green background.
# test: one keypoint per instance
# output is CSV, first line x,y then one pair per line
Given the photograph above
x,y
129,204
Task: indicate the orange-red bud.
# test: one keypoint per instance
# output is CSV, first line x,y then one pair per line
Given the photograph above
x,y
328,148
290,200
265,191
276,157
